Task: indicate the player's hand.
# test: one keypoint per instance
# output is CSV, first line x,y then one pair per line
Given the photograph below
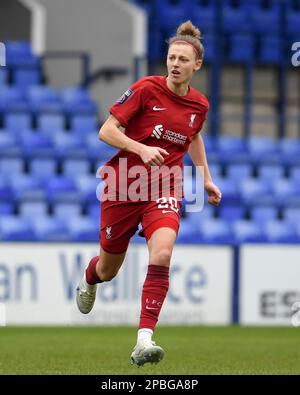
x,y
153,156
214,193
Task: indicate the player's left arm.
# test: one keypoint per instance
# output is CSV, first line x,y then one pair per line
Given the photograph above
x,y
198,156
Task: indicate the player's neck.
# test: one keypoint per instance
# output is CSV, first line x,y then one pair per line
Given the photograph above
x,y
178,89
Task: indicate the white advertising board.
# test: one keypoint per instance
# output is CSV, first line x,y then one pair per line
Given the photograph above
x,y
269,284
38,282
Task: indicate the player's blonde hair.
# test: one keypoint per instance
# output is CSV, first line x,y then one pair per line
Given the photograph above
x,y
191,34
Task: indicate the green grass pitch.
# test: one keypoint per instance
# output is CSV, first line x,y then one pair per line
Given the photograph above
x,y
189,350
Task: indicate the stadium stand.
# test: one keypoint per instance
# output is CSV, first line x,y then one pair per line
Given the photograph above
x,y
50,153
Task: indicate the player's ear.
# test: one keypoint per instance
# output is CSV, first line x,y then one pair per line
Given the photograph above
x,y
198,65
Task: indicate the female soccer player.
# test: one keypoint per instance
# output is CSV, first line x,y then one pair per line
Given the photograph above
x,y
162,117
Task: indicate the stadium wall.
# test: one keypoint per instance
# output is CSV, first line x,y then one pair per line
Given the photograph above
x,y
38,282
104,29
210,285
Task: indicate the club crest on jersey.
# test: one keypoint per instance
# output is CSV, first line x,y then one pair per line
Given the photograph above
x,y
108,232
125,96
192,119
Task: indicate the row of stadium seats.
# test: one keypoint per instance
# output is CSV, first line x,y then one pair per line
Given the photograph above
x,y
86,228
38,98
73,167
238,30
233,15
82,140
234,48
278,192
228,212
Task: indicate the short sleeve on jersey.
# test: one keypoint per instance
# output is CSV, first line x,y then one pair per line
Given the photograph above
x,y
128,105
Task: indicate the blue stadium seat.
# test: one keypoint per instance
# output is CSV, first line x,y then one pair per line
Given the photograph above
x,y
6,208
215,231
6,192
61,189
20,53
210,47
292,215
88,186
84,123
14,228
290,150
215,170
232,148
17,121
203,13
170,13
253,190
9,145
262,214
280,232
93,210
12,99
67,209
32,209
11,166
77,100
188,232
97,149
48,228
265,16
271,49
50,122
83,228
3,76
27,187
295,173
68,145
230,190
42,167
43,99
238,172
269,173
194,218
231,213
75,167
36,144
24,78
155,45
241,48
293,16
235,16
263,150
248,232
286,192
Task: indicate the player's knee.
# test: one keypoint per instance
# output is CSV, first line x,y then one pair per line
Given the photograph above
x,y
161,257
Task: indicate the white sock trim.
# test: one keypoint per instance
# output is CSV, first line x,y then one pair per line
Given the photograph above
x,y
144,334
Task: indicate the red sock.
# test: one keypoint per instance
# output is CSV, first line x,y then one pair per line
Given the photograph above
x,y
155,289
91,274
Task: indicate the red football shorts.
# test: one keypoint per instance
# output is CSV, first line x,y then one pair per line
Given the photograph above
x,y
120,221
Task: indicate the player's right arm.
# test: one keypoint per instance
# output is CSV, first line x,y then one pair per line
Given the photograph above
x,y
112,135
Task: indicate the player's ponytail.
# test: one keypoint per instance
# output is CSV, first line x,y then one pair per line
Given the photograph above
x,y
192,35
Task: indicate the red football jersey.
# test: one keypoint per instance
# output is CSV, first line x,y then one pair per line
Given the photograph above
x,y
153,115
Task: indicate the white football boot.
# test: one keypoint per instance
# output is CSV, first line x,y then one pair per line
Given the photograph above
x,y
146,351
85,296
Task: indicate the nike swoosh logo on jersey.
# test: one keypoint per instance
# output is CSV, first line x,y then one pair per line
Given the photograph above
x,y
158,108
167,211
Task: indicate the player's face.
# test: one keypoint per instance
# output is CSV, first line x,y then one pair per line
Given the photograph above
x,y
182,63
